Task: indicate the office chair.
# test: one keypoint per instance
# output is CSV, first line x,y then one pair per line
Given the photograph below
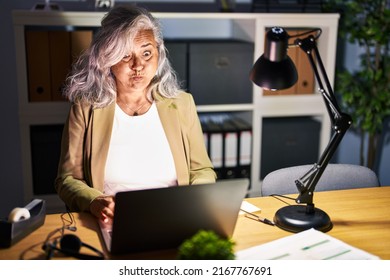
x,y
335,177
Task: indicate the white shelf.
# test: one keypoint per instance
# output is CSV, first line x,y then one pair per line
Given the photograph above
x,y
250,27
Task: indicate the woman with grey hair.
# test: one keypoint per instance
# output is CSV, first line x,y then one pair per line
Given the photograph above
x,y
130,125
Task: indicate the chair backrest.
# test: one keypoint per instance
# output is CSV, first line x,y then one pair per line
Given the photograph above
x,y
335,177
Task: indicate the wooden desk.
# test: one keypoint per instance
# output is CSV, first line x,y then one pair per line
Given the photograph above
x,y
361,218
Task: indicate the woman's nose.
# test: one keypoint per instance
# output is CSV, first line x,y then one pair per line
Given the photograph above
x,y
137,63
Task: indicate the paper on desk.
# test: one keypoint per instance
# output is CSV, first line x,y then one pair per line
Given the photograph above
x,y
248,207
310,244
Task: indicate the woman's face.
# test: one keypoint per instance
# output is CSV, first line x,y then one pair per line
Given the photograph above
x,y
136,69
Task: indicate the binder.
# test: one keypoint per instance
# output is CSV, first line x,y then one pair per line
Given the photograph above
x,y
38,65
305,83
215,145
80,41
230,149
244,144
60,63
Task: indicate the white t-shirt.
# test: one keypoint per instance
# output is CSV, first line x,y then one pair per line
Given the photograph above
x,y
139,156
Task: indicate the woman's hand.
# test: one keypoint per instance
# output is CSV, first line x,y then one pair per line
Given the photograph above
x,y
103,208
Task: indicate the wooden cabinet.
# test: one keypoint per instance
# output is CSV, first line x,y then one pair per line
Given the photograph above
x,y
247,27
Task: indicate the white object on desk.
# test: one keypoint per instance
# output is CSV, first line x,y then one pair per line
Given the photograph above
x,y
248,207
310,244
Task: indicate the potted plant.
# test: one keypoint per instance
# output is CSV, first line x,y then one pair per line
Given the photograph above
x,y
365,93
206,245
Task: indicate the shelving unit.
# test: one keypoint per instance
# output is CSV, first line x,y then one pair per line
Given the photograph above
x,y
250,27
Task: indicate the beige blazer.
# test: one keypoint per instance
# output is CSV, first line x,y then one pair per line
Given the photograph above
x,y
86,139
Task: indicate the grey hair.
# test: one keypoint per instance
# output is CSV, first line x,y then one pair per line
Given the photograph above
x,y
91,81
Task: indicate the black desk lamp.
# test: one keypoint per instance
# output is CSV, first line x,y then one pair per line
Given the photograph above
x,y
274,70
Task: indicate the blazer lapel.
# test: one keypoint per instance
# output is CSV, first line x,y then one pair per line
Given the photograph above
x,y
171,123
102,122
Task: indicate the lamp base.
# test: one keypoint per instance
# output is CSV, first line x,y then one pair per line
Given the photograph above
x,y
295,218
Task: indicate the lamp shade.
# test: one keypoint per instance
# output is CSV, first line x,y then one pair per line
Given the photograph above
x,y
275,70
274,75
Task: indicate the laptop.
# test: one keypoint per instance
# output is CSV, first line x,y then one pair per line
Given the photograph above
x,y
160,219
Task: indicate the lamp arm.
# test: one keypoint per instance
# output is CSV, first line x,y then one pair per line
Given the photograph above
x,y
340,123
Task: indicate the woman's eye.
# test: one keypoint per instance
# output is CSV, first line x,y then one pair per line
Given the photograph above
x,y
147,54
127,57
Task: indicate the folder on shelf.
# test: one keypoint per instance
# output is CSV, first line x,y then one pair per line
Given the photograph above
x,y
230,148
305,83
38,65
244,144
60,62
80,41
215,145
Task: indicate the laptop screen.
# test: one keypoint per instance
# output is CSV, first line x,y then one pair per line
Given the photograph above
x,y
157,219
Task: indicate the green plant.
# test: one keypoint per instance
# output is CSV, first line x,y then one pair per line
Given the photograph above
x,y
365,93
206,245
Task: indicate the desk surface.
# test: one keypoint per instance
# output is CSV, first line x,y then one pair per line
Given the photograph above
x,y
360,218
